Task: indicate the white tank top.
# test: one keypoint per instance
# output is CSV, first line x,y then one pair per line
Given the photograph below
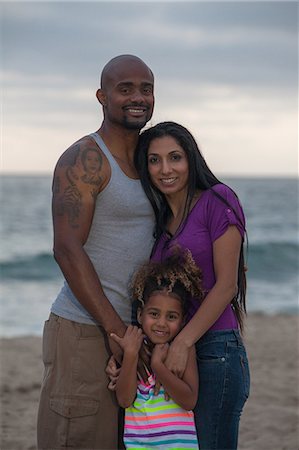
x,y
120,238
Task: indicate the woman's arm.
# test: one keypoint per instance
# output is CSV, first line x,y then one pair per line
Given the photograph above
x,y
226,253
126,384
183,390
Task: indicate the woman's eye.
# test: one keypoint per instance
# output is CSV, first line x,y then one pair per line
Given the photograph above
x,y
176,157
153,160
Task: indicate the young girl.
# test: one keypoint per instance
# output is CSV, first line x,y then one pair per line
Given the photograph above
x,y
156,421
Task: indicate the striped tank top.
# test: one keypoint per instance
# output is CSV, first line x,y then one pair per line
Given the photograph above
x,y
153,422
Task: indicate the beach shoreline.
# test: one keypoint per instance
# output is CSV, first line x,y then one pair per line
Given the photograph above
x,y
270,418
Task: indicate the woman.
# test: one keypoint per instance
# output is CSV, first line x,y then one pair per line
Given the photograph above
x,y
195,211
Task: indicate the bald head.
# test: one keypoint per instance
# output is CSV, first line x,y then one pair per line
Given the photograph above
x,y
127,92
118,64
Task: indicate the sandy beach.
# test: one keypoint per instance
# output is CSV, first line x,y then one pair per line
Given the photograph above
x,y
270,419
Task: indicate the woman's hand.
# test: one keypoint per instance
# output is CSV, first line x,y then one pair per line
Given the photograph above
x,y
177,357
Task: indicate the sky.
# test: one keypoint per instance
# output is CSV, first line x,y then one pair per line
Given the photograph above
x,y
228,71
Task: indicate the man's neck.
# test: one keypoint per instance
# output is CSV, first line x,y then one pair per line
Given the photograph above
x,y
120,141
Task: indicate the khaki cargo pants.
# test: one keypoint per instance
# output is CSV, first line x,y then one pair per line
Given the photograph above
x,y
76,409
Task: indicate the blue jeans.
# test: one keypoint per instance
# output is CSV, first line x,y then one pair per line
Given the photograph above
x,y
224,382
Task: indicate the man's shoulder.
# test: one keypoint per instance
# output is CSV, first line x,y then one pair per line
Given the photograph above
x,y
79,151
84,165
83,143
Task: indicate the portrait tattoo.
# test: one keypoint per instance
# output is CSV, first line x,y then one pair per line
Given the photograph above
x,y
70,202
92,162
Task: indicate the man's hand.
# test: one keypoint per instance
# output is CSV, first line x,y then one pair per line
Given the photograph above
x,y
116,350
112,371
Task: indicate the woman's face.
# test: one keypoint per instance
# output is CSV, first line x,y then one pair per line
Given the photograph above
x,y
168,165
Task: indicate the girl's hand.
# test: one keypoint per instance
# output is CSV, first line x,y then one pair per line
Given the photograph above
x,y
177,358
159,354
132,340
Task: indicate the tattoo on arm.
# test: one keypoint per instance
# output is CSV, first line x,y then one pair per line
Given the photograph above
x,y
92,163
70,201
70,204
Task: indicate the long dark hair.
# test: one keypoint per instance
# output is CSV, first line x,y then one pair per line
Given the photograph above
x,y
200,178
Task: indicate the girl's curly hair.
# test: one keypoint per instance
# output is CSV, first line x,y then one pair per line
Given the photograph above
x,y
178,274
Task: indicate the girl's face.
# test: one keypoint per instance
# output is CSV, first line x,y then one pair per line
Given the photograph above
x,y
161,317
168,165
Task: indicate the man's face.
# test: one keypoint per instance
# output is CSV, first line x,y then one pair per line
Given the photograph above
x,y
129,95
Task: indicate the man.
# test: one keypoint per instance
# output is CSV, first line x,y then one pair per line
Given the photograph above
x,y
103,228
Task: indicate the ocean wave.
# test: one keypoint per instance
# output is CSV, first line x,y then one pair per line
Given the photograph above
x,y
273,261
41,266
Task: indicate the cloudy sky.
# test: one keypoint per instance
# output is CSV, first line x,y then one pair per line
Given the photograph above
x,y
228,71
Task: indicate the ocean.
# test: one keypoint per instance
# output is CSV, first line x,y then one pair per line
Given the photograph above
x,y
30,278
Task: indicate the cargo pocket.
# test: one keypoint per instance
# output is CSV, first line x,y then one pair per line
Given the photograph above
x,y
81,414
71,407
50,332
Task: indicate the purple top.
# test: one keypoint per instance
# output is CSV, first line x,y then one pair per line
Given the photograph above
x,y
207,221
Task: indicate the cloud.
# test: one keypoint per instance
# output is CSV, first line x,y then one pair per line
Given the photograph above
x,y
242,40
227,69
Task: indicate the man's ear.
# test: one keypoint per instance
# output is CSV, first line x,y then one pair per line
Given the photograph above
x,y
101,97
139,316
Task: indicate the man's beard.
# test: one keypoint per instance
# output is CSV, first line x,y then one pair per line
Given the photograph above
x,y
138,125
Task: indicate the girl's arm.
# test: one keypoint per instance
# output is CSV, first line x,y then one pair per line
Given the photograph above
x,y
126,384
226,253
182,390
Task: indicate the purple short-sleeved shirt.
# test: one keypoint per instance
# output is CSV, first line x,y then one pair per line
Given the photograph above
x,y
207,221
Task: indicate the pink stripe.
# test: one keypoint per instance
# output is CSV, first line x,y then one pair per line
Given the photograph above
x,y
160,416
157,425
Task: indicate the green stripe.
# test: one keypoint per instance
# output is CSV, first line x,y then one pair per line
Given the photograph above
x,y
153,401
158,408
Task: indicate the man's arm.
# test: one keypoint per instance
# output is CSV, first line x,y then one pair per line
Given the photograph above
x,y
75,189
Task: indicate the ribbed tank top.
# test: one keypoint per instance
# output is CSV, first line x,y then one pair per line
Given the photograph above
x,y
120,238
